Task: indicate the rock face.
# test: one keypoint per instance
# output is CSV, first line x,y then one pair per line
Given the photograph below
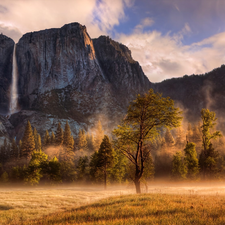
x,y
63,72
123,73
6,52
55,58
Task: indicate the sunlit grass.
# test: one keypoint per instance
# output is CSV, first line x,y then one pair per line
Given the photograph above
x,y
145,209
177,204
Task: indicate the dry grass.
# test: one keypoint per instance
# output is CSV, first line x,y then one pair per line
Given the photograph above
x,y
74,205
21,204
145,209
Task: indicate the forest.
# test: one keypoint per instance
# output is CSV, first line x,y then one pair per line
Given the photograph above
x,y
159,146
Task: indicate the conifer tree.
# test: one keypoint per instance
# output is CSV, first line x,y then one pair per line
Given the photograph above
x,y
82,168
169,137
98,135
28,143
37,139
14,150
82,141
52,138
38,144
47,139
68,143
105,157
191,160
59,135
20,147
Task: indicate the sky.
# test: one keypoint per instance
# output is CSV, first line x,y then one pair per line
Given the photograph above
x,y
169,38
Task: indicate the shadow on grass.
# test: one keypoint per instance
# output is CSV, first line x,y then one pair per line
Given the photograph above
x,y
5,207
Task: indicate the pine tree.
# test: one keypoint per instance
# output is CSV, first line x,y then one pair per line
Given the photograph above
x,y
68,143
169,137
52,138
14,150
59,135
191,160
82,141
82,168
37,139
28,143
105,157
98,135
38,144
47,139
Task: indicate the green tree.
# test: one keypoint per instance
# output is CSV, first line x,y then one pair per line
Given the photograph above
x,y
179,167
14,150
59,135
105,158
37,140
82,168
82,141
52,138
145,116
53,171
28,143
36,167
191,160
47,139
68,142
208,157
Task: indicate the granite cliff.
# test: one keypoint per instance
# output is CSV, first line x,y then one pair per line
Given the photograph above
x,y
64,74
6,51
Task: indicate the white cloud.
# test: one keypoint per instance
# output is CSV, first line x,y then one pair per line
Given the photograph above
x,y
146,22
163,57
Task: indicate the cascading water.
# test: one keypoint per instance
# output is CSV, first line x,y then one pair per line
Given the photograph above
x,y
13,108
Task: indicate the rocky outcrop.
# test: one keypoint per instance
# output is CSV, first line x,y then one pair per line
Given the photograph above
x,y
6,52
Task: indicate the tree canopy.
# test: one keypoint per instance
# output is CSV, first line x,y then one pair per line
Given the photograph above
x,y
145,116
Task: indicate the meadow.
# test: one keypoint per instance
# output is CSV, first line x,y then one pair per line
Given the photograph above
x,y
164,204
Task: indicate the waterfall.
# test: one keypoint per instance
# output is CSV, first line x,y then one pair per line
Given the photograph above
x,y
13,108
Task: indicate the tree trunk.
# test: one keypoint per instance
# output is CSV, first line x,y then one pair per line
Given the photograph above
x,y
138,186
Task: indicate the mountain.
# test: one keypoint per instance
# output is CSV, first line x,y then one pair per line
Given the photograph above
x,y
192,93
65,75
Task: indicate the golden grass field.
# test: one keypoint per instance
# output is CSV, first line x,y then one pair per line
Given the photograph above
x,y
164,204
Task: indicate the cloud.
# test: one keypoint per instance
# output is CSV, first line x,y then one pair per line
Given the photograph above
x,y
164,56
146,22
99,16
